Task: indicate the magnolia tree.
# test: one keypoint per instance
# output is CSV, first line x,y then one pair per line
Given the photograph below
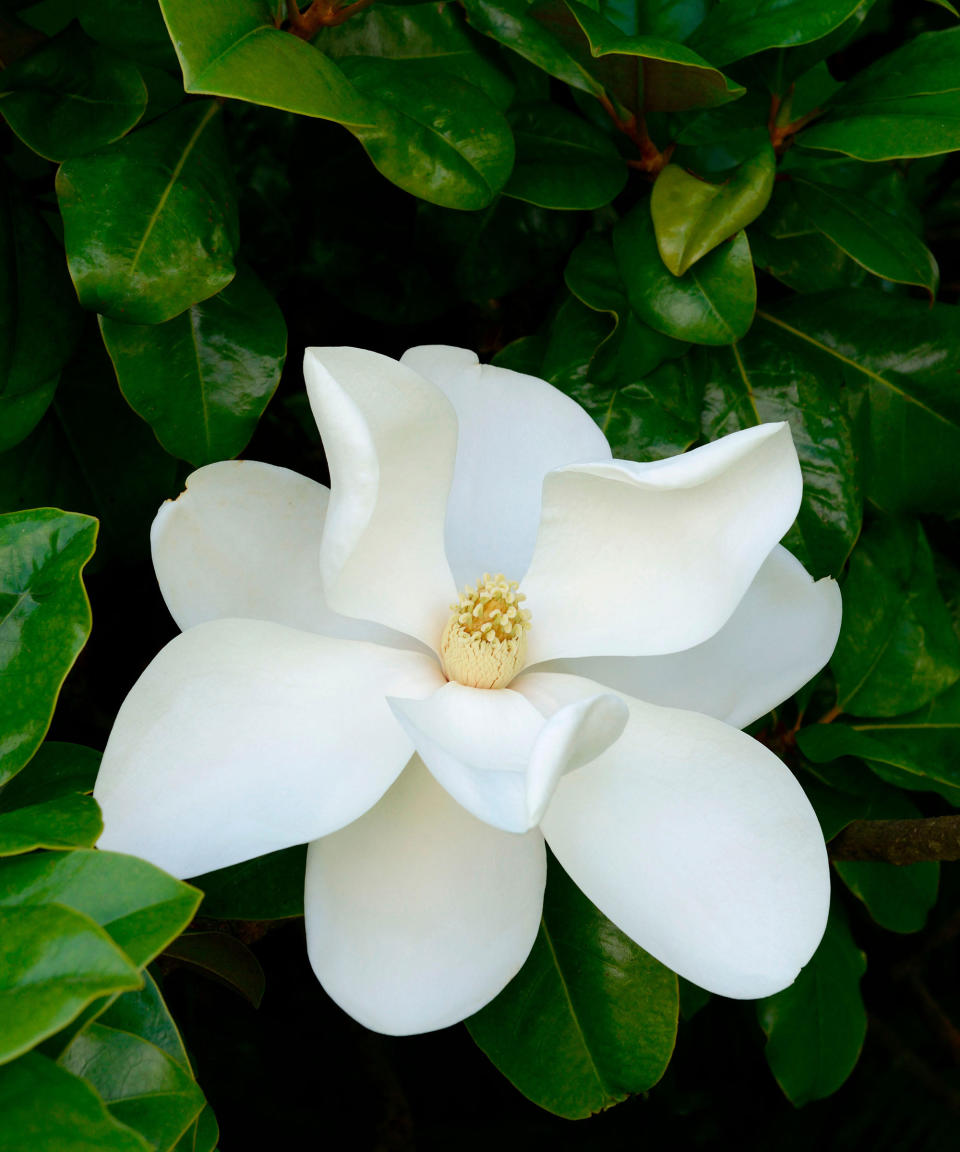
x,y
561,640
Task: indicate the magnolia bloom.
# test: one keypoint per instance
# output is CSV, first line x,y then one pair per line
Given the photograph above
x,y
620,622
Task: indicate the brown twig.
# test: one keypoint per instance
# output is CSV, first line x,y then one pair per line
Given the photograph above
x,y
320,14
899,841
781,128
634,127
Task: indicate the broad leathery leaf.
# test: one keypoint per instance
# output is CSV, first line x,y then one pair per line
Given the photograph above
x,y
906,104
236,50
267,888
203,379
670,19
141,907
61,823
225,958
150,222
47,1109
71,96
134,28
44,621
56,770
435,136
604,1010
53,963
712,303
900,358
815,1028
39,317
691,216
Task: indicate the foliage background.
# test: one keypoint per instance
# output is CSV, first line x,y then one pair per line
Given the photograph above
x,y
176,243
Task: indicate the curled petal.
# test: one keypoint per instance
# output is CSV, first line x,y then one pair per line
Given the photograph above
x,y
418,914
495,754
782,633
642,559
242,737
696,841
513,429
390,439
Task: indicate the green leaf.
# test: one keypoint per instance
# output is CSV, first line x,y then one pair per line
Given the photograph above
x,y
237,51
46,1109
44,621
815,1028
906,104
56,770
898,898
604,1010
224,957
897,649
39,317
900,358
64,822
712,303
141,907
671,19
434,135
562,160
71,96
53,963
203,379
134,28
873,238
150,222
266,888
737,28
691,216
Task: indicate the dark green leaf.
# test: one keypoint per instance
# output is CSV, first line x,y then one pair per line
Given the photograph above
x,y
671,19
604,1010
266,888
224,957
64,822
44,621
53,963
71,96
57,769
815,1028
898,898
46,1109
150,221
133,27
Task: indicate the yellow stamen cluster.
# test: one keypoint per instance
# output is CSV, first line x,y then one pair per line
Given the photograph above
x,y
484,644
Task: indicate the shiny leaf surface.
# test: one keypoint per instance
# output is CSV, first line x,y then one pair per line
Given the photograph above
x,y
64,822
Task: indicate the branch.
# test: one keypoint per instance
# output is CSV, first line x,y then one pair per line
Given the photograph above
x,y
320,14
899,841
652,160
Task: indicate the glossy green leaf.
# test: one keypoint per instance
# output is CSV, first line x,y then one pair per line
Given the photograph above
x,y
897,649
56,770
670,19
593,277
237,51
691,216
815,1028
900,358
141,907
134,28
898,898
141,1085
906,104
602,1008
435,136
64,822
872,237
562,160
53,963
713,303
47,1109
266,888
71,96
737,28
44,621
224,957
150,222
39,317
203,379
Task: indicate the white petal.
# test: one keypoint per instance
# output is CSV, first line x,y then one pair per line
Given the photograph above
x,y
243,540
390,439
417,914
782,633
243,737
513,430
697,842
642,559
495,754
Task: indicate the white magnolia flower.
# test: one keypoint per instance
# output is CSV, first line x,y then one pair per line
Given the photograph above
x,y
305,700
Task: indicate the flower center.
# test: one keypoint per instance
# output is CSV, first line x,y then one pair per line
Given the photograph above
x,y
484,643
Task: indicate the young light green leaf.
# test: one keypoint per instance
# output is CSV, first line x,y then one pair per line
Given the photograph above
x,y
64,822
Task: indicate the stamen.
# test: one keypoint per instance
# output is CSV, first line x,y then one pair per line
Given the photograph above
x,y
484,644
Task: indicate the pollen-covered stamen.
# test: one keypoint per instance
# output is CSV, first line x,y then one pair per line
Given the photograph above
x,y
484,644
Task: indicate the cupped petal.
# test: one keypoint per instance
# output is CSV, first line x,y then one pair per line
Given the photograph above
x,y
642,559
782,633
243,540
497,756
513,430
390,439
243,736
696,841
418,914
